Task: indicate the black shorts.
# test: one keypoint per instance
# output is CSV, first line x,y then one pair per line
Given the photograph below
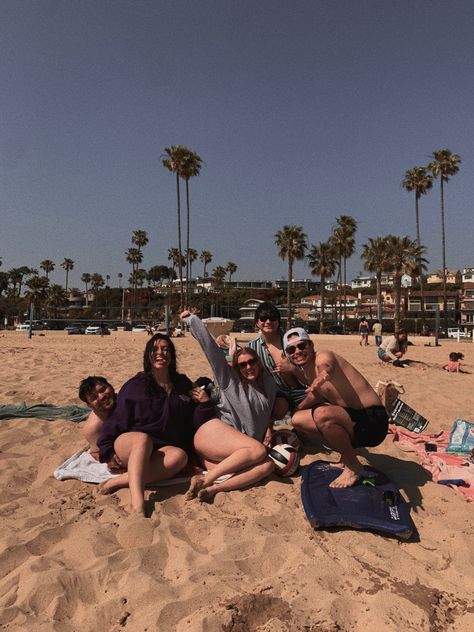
x,y
370,426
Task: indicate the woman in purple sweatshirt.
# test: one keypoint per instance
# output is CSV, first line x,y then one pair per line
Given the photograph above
x,y
153,425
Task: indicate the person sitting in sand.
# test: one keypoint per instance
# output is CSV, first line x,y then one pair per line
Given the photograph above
x,y
99,395
341,408
454,364
151,429
232,443
269,346
394,348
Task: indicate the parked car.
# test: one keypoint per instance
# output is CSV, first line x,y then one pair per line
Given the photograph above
x,y
454,332
75,329
137,329
97,330
22,327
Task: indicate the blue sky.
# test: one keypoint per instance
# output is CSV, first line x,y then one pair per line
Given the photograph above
x,y
301,111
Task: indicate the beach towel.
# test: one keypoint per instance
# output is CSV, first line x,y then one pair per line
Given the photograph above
x,y
49,412
461,438
83,467
453,470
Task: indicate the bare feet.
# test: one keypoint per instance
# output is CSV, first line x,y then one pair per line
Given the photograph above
x,y
348,478
195,487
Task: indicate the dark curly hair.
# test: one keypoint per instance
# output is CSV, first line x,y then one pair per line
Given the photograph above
x,y
87,386
147,359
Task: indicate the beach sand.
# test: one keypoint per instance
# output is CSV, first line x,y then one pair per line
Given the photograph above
x,y
72,560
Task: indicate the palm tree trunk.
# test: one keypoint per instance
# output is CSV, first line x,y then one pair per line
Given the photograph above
x,y
289,320
180,249
379,296
443,248
323,305
345,293
418,239
187,241
397,286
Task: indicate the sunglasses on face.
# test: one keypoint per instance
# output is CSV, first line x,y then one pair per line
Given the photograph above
x,y
272,318
247,363
292,349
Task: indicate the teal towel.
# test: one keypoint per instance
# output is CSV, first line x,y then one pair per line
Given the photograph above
x,y
44,411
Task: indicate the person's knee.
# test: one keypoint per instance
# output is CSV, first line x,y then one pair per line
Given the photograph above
x,y
280,408
299,420
180,458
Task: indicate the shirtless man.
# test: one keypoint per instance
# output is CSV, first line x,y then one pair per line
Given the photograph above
x,y
341,407
99,395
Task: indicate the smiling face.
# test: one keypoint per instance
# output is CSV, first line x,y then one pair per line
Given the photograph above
x,y
267,325
160,355
249,366
102,399
299,351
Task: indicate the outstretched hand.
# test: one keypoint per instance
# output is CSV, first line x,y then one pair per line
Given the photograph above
x,y
199,395
319,381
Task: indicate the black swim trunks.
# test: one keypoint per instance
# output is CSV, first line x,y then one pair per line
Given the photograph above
x,y
370,426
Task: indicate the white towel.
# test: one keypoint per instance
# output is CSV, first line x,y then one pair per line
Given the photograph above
x,y
83,467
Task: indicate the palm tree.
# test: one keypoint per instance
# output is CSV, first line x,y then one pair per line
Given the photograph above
x,y
218,276
375,254
291,243
17,276
37,291
120,277
173,160
68,265
231,268
444,165
48,266
139,239
57,297
97,281
191,256
205,257
419,181
403,256
86,279
322,263
344,243
190,168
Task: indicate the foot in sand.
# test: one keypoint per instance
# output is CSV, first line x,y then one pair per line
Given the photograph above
x,y
348,478
195,487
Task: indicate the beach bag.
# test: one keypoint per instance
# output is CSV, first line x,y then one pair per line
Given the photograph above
x,y
388,393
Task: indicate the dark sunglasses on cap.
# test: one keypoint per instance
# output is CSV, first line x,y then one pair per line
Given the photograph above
x,y
247,363
292,348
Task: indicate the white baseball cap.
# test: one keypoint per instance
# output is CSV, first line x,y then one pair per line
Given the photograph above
x,y
296,334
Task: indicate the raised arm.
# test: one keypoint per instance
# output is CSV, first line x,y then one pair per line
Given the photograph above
x,y
215,356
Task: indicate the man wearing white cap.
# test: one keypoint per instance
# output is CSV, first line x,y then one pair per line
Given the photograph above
x,y
341,407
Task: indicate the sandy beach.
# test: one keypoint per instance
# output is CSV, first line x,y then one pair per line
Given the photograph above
x,y
72,560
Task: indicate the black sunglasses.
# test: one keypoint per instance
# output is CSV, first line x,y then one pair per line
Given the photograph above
x,y
271,317
247,363
292,349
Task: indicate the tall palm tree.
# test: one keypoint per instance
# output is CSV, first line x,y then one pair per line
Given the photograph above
x,y
134,257
291,244
86,279
404,256
374,252
57,297
173,160
48,266
68,265
120,277
443,166
139,239
420,181
190,168
323,264
231,268
344,243
218,276
97,281
17,276
191,256
205,257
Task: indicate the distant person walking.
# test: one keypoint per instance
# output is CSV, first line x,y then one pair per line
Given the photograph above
x,y
377,331
364,330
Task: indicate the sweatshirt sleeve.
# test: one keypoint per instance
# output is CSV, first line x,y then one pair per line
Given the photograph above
x,y
115,425
214,354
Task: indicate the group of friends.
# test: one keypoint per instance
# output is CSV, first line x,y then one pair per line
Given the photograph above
x,y
161,423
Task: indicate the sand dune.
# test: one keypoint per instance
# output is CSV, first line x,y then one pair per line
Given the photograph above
x,y
72,560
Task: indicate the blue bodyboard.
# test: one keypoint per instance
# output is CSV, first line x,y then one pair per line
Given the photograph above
x,y
377,506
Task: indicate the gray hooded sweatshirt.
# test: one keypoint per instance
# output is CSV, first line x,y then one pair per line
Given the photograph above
x,y
245,406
